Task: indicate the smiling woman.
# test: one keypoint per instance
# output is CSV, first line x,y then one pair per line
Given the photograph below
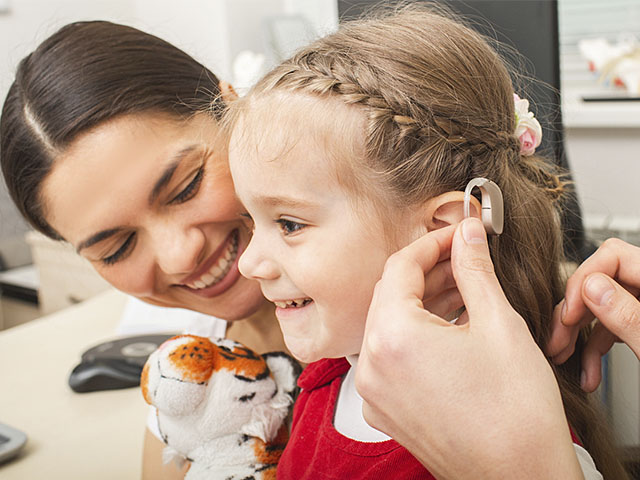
x,y
154,211
109,140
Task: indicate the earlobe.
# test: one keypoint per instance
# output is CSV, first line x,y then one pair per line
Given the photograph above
x,y
227,91
448,209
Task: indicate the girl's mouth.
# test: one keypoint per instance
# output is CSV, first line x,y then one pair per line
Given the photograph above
x,y
297,303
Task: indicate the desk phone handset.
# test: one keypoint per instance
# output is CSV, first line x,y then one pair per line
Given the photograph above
x,y
114,364
11,442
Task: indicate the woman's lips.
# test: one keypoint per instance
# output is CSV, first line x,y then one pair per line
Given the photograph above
x,y
226,276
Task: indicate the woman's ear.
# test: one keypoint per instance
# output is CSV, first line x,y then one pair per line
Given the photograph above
x,y
227,92
448,209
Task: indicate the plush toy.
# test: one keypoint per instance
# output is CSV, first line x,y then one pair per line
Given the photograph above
x,y
221,406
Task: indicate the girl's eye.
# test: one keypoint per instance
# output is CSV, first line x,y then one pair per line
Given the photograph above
x,y
289,227
190,190
122,252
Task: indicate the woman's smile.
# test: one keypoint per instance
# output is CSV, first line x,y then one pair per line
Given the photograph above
x,y
218,272
156,191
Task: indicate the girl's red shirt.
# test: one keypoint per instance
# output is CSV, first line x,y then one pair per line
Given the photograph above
x,y
316,450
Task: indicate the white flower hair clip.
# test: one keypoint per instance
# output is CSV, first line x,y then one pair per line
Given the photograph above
x,y
528,129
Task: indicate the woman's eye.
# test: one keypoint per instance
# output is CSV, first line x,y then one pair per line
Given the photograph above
x,y
289,227
122,252
190,190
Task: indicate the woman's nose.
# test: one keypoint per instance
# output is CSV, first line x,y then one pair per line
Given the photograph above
x,y
255,262
178,250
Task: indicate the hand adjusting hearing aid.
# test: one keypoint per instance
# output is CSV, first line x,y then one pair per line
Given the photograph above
x,y
492,204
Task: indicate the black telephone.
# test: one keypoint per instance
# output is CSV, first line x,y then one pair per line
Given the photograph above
x,y
114,364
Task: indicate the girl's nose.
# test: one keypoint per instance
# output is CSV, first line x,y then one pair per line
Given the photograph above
x,y
178,250
255,263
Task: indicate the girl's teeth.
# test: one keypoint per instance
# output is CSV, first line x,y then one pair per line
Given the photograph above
x,y
199,284
299,302
207,278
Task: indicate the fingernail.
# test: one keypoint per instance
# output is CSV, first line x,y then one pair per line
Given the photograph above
x,y
563,312
583,379
473,231
598,289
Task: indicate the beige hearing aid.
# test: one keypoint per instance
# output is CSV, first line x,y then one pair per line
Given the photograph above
x,y
492,204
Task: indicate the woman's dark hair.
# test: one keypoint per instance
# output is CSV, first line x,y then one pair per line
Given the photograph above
x,y
83,75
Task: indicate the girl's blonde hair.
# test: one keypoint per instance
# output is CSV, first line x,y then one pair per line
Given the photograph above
x,y
439,110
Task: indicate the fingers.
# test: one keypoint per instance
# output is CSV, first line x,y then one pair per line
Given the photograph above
x,y
445,303
600,342
404,272
474,273
615,258
438,280
616,308
569,344
563,337
397,304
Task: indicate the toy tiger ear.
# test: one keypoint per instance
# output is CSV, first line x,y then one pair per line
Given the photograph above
x,y
266,419
285,370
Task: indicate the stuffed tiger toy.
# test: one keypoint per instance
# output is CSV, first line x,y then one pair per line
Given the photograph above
x,y
220,406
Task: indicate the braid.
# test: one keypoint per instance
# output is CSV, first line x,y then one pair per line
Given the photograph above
x,y
320,75
544,175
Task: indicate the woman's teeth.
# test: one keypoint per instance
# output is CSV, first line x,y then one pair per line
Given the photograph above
x,y
219,269
299,302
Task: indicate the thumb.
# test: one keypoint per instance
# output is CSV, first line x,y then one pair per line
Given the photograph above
x,y
473,271
615,307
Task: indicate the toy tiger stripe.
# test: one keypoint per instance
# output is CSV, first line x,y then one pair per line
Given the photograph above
x,y
221,406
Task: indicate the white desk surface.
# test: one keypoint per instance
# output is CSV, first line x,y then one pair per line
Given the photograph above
x,y
95,435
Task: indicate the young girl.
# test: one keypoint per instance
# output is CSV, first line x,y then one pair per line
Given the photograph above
x,y
352,149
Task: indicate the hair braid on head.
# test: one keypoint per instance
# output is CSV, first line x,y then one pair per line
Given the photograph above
x,y
545,175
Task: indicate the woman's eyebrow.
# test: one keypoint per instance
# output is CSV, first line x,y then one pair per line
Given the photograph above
x,y
98,237
168,172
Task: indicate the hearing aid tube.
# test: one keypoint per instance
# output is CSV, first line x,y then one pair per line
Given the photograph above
x,y
492,204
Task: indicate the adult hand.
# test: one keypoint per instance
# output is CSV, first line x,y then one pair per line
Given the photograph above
x,y
472,400
606,286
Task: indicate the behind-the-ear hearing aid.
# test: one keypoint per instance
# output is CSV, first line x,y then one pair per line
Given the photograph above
x,y
492,204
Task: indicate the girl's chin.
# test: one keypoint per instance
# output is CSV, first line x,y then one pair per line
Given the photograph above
x,y
302,353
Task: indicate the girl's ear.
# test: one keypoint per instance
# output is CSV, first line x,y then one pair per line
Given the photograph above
x,y
448,209
227,92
